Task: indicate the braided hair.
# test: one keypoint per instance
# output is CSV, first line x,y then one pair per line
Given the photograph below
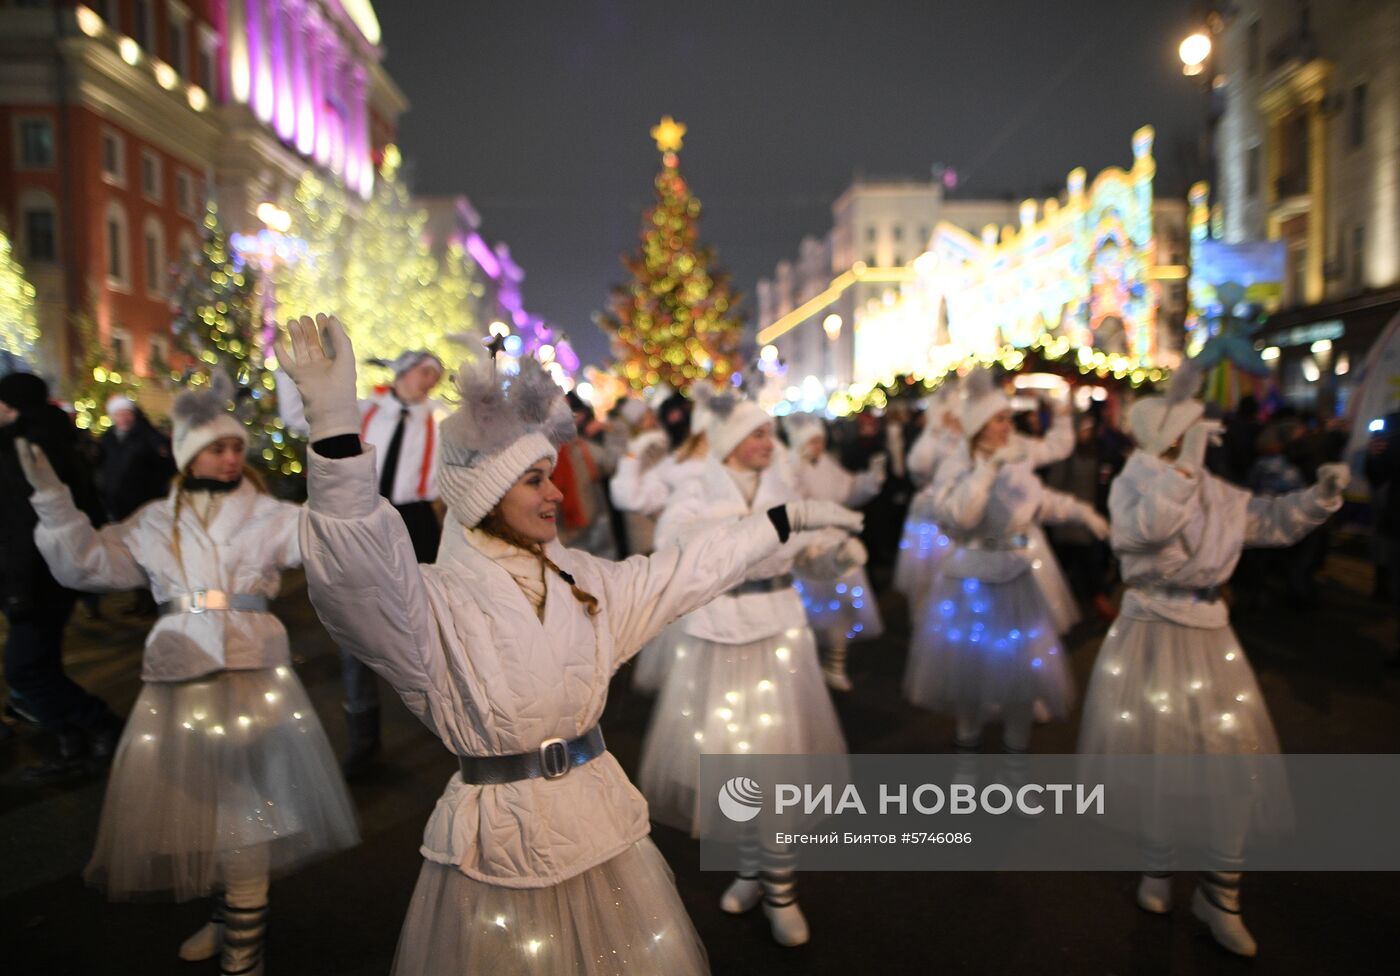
x,y
494,524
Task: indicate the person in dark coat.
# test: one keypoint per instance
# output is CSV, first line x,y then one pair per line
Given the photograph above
x,y
36,607
136,468
136,464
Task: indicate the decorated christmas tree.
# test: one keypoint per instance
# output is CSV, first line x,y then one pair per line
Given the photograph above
x,y
218,323
374,269
19,328
100,373
676,321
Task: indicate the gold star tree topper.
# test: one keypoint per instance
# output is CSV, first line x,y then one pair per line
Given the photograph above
x,y
668,134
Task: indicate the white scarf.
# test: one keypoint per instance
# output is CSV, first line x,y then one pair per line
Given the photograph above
x,y
746,481
524,567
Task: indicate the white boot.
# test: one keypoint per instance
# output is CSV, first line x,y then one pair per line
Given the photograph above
x,y
785,918
1154,893
1217,903
206,943
742,894
834,670
244,932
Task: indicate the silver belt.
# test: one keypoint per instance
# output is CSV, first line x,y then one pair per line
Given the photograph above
x,y
551,760
774,585
998,543
201,600
1197,594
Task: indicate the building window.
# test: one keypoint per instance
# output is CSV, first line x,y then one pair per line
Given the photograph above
x,y
177,23
158,354
1251,172
118,254
899,232
898,260
151,184
153,239
870,262
185,243
113,157
143,25
870,235
923,237
209,61
1356,119
184,193
121,349
1254,45
35,144
40,235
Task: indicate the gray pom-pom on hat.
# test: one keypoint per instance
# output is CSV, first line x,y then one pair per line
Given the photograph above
x,y
202,416
502,426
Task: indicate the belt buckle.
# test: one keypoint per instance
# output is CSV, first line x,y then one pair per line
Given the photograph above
x,y
554,757
198,602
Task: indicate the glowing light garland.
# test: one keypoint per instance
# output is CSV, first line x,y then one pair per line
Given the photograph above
x,y
19,323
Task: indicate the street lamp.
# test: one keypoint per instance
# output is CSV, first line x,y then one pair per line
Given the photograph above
x,y
1194,51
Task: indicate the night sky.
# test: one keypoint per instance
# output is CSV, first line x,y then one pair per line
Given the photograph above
x,y
539,112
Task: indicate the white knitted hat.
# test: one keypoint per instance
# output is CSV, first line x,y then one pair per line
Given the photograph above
x,y
118,402
406,360
201,417
1157,421
982,400
801,429
504,425
731,419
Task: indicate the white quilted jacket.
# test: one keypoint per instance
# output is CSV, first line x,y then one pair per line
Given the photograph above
x,y
251,539
463,647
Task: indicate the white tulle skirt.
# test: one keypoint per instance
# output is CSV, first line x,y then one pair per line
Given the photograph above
x,y
654,660
764,697
622,917
1059,598
922,549
1159,688
208,769
981,647
844,606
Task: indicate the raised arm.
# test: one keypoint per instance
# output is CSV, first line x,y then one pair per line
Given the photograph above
x,y
79,556
1281,520
1058,508
361,571
961,489
645,593
1058,442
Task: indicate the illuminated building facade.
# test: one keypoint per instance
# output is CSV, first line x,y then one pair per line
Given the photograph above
x,y
119,118
1308,153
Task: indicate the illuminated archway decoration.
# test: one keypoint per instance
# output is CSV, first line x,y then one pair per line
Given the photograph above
x,y
1084,270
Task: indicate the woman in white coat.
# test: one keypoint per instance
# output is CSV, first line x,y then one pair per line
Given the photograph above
x,y
746,678
536,858
986,647
223,776
923,545
1171,677
644,482
844,609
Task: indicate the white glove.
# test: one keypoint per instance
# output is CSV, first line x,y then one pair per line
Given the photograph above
x,y
322,365
852,554
648,448
879,467
1012,452
813,514
36,467
1332,480
1193,445
1095,523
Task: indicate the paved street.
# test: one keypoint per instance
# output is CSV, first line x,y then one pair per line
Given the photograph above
x,y
1321,668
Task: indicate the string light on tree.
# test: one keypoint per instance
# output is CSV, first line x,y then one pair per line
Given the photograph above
x,y
218,323
19,324
675,322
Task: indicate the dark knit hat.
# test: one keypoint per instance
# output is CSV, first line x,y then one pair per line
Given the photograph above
x,y
23,391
